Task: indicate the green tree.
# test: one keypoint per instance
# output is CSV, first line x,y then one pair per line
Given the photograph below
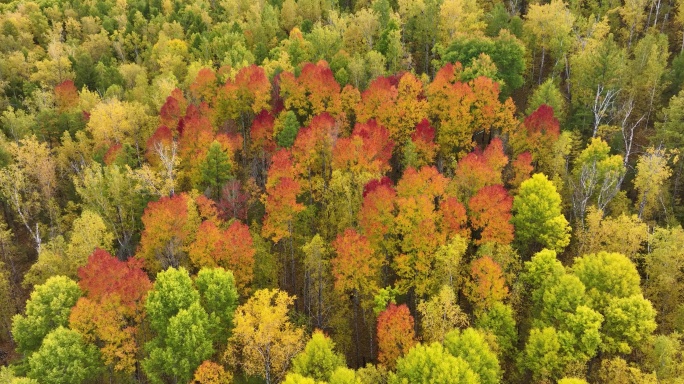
x,y
471,346
219,298
549,94
47,309
288,132
432,364
499,321
629,323
537,215
186,344
64,358
172,292
542,355
318,360
216,169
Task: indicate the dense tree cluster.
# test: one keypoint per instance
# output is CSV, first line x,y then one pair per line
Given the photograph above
x,y
315,191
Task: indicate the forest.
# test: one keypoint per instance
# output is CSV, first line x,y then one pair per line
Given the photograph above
x,y
341,191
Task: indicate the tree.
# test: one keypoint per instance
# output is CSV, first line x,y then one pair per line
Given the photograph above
x,y
623,234
606,276
499,321
395,334
652,174
440,315
64,358
219,297
187,342
170,226
596,178
216,169
88,233
288,132
549,94
211,373
356,267
629,322
264,340
537,215
471,346
117,198
29,185
543,354
318,360
664,269
490,215
486,285
432,364
231,248
549,26
47,309
172,292
459,17
111,312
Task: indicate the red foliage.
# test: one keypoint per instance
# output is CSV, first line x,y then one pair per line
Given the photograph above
x,y
112,153
313,92
105,275
376,216
281,208
232,249
522,169
543,122
375,183
169,227
261,132
427,181
395,334
66,95
490,213
234,201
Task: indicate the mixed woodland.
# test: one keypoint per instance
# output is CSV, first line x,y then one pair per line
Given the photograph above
x,y
342,192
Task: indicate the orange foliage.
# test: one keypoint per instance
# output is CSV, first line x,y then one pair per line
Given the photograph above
x,y
356,267
486,285
230,249
395,334
368,149
490,213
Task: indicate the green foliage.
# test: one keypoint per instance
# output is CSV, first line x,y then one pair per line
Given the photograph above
x,y
65,358
172,292
471,346
186,344
537,215
432,364
47,309
318,360
288,133
219,298
549,94
500,322
506,51
216,169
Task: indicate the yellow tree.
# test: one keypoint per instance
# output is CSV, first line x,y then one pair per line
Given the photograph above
x,y
264,340
457,17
